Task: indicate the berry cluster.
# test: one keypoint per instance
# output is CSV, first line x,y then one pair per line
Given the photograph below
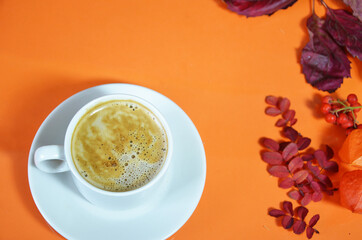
x,y
342,113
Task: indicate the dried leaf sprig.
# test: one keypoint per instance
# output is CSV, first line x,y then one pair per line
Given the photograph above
x,y
299,168
296,219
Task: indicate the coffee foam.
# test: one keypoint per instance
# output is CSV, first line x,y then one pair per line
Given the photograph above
x,y
119,145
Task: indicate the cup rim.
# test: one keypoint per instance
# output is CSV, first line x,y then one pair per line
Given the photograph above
x,y
120,96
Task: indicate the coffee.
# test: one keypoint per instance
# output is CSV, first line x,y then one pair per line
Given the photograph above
x,y
119,145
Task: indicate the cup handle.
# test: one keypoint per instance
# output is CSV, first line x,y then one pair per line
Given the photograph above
x,y
51,159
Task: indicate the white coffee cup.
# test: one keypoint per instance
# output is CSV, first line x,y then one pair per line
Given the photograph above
x,y
58,158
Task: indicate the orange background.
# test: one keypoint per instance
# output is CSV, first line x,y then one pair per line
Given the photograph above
x,y
214,64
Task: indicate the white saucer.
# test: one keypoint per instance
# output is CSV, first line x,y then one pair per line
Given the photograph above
x,y
65,209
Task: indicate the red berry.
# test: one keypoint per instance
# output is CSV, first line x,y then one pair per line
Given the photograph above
x,y
347,124
325,108
330,118
327,99
352,98
357,104
342,118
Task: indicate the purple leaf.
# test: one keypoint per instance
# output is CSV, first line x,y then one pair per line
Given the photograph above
x,y
315,186
314,169
302,212
303,143
308,157
281,123
273,158
325,180
293,121
276,213
289,115
257,8
286,183
356,6
321,158
329,152
324,62
331,166
290,133
287,222
283,145
272,100
310,232
317,196
300,176
299,227
271,144
284,104
346,30
295,164
305,189
279,171
313,221
289,151
272,111
306,199
295,194
288,207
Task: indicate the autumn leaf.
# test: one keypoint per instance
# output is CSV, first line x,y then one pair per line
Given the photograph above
x,y
254,8
324,62
356,6
346,30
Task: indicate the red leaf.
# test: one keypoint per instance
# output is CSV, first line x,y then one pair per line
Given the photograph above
x,y
317,196
290,151
287,222
325,180
288,207
303,143
308,157
272,100
295,164
306,199
314,169
276,213
289,115
272,111
313,221
279,171
331,166
324,62
346,30
293,121
300,176
284,104
295,194
286,183
273,158
329,152
321,158
356,6
271,144
302,212
281,123
310,232
290,133
315,186
257,8
299,227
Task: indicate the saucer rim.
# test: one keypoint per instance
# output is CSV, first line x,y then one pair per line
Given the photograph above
x,y
202,158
